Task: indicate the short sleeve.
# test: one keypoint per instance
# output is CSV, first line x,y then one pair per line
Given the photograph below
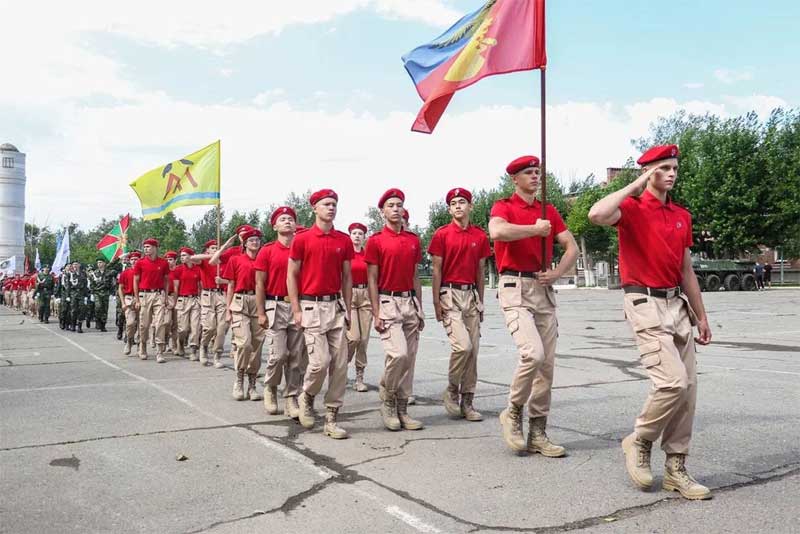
x,y
436,248
298,250
175,275
625,209
556,222
349,251
137,269
372,254
230,270
689,239
262,260
485,250
499,209
418,259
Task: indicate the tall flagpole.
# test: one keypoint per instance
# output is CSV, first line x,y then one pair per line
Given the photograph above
x,y
544,165
219,200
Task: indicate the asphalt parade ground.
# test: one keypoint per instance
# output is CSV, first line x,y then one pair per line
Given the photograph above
x,y
90,439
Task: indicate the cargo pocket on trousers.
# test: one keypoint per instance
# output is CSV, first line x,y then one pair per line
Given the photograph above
x,y
510,292
551,295
388,308
649,354
642,312
311,318
512,321
309,339
447,322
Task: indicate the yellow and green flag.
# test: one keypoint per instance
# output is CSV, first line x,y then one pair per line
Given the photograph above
x,y
189,181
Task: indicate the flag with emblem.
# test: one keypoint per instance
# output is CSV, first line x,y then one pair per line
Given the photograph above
x,y
500,37
115,243
190,181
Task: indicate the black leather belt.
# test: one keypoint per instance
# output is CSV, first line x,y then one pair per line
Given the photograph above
x,y
245,292
150,290
462,287
213,290
359,286
279,298
662,293
410,293
523,274
321,298
187,296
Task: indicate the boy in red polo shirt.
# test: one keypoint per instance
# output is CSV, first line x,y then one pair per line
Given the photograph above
x,y
528,301
126,299
361,312
170,315
392,256
320,290
150,287
242,313
212,304
186,284
284,337
459,251
662,304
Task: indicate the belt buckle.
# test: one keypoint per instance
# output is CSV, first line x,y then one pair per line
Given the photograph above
x,y
286,299
671,292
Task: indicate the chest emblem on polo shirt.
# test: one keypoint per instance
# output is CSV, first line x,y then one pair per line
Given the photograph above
x,y
474,244
679,225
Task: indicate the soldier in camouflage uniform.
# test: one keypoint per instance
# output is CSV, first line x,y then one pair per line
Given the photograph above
x,y
88,312
119,312
44,291
78,294
63,297
101,286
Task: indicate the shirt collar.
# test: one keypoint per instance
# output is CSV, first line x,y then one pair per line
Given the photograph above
x,y
652,201
318,231
389,231
519,201
458,228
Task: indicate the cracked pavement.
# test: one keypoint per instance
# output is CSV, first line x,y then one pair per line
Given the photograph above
x,y
89,437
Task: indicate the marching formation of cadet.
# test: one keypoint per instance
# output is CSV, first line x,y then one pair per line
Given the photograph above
x,y
314,294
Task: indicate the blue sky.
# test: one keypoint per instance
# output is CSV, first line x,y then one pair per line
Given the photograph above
x,y
315,95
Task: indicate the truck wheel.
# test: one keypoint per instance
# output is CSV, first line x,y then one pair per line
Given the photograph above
x,y
701,281
712,282
748,282
732,282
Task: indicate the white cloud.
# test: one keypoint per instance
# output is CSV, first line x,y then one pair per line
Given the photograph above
x,y
226,72
761,104
729,76
262,99
694,85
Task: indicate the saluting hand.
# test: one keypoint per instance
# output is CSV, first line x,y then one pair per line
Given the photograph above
x,y
704,332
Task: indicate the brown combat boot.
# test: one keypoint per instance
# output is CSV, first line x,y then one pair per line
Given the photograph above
x,y
290,407
511,421
238,386
306,408
360,386
637,460
203,356
271,400
217,362
450,399
538,440
467,410
252,391
406,421
389,412
677,479
127,350
331,428
193,356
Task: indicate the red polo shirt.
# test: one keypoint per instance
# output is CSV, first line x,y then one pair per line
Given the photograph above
x,y
524,254
359,267
126,281
241,270
188,280
396,254
273,259
460,250
208,275
151,272
653,238
322,255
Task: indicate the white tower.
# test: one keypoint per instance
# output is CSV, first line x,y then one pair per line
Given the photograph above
x,y
12,204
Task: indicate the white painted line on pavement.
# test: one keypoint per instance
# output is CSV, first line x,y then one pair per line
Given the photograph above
x,y
411,520
753,370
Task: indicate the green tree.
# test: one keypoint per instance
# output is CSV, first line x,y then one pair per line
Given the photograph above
x,y
205,229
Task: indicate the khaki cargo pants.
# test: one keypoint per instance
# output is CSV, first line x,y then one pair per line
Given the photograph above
x,y
461,319
212,317
663,332
401,317
187,310
151,313
360,326
530,314
286,348
169,319
248,336
131,318
324,331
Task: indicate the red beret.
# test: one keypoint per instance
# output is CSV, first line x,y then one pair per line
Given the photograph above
x,y
135,254
253,232
210,243
187,250
405,214
171,254
283,210
152,241
458,192
357,226
521,163
658,153
391,193
243,228
322,193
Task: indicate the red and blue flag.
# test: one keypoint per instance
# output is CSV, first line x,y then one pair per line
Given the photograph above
x,y
502,36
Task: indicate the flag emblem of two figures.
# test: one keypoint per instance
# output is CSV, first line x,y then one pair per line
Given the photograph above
x,y
188,181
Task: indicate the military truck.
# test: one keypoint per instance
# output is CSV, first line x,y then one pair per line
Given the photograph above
x,y
733,275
